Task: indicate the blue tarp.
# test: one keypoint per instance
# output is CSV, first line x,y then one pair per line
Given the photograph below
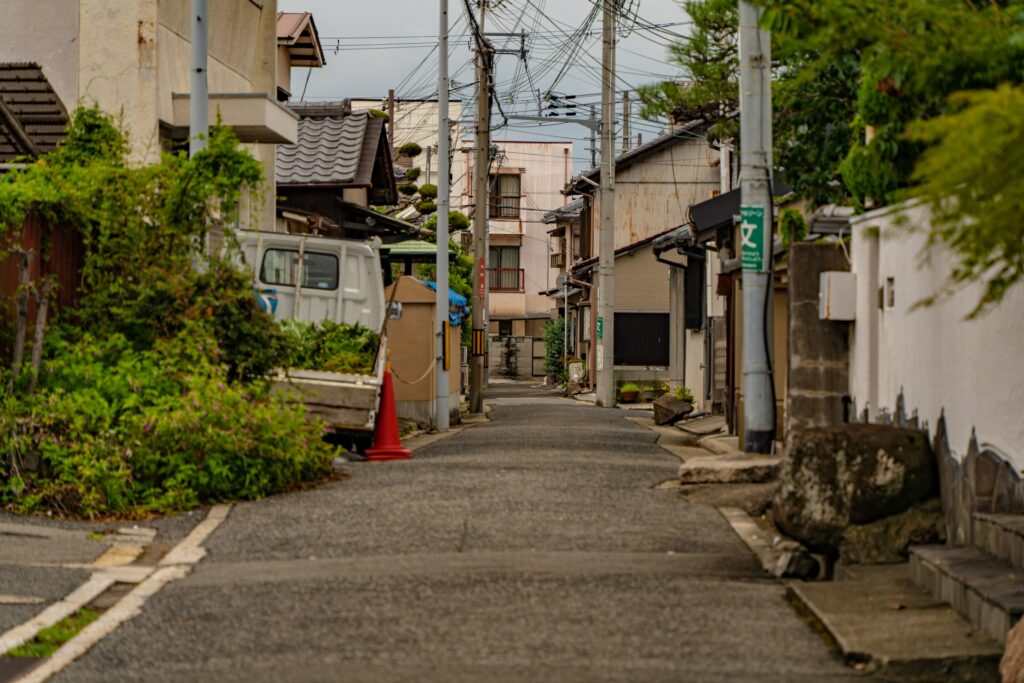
x,y
458,304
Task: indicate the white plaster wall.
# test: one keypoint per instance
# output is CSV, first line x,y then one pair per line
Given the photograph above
x,y
44,32
971,369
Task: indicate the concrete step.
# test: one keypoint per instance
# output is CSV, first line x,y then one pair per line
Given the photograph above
x,y
986,590
880,620
734,468
1001,536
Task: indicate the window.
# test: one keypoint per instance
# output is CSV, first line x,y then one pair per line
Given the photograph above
x,y
504,328
641,339
280,266
505,193
504,271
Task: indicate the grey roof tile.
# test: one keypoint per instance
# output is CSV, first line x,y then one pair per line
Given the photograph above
x,y
328,151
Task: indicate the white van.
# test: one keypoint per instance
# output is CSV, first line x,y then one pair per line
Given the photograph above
x,y
340,279
311,279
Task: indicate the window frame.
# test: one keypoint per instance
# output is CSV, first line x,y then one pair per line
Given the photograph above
x,y
301,268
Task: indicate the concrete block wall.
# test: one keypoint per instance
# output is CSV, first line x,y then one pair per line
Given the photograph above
x,y
819,350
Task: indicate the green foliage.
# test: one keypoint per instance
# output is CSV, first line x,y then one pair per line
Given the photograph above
x,y
460,276
408,189
426,206
150,396
792,226
554,350
629,387
456,221
710,64
972,176
379,114
410,149
428,191
412,174
49,639
331,347
683,394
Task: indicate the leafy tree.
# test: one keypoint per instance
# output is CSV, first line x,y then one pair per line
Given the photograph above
x,y
554,349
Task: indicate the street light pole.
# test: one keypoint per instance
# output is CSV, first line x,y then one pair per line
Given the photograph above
x,y
756,221
606,238
198,105
443,190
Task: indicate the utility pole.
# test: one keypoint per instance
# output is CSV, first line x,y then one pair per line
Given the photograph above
x,y
391,116
625,121
481,196
593,138
198,104
756,228
606,238
443,190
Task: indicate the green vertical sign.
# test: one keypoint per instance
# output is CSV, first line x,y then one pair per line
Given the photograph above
x,y
752,237
600,327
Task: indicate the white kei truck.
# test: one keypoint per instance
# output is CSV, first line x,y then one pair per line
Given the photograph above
x,y
310,278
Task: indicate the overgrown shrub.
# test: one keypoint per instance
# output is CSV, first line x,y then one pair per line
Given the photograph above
x,y
332,347
150,396
554,350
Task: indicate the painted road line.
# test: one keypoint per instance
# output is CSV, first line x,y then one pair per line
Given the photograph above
x,y
71,603
175,565
190,550
129,606
8,599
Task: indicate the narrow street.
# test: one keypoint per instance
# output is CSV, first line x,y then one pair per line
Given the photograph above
x,y
528,548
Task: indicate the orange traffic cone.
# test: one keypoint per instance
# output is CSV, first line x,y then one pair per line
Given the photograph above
x,y
386,443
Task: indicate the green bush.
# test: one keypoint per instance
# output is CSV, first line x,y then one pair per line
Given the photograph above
x,y
408,189
629,386
683,394
554,350
150,396
410,149
117,431
425,207
412,174
331,347
428,191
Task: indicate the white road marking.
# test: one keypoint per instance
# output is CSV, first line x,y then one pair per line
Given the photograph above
x,y
70,604
175,565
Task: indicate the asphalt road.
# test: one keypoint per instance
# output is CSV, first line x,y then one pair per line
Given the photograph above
x,y
529,548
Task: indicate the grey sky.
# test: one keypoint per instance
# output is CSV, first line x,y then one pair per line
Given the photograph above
x,y
380,44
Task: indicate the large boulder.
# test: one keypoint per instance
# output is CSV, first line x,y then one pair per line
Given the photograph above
x,y
886,540
1011,668
668,409
850,474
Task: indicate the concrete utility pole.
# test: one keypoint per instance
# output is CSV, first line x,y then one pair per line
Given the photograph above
x,y
198,104
442,306
756,222
481,196
625,121
606,237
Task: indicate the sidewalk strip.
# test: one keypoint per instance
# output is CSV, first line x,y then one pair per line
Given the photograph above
x,y
175,565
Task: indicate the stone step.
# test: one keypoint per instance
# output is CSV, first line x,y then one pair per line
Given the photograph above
x,y
1001,536
986,590
880,620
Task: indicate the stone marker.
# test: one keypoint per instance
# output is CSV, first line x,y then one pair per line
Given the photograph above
x,y
886,541
668,410
850,474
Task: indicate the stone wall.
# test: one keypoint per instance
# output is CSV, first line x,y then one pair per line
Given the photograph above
x,y
819,350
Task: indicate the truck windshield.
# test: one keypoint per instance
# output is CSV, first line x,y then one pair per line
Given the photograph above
x,y
280,267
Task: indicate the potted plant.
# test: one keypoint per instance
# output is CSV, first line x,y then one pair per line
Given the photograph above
x,y
629,392
650,392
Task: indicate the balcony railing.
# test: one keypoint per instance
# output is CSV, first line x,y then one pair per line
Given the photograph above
x,y
504,206
505,279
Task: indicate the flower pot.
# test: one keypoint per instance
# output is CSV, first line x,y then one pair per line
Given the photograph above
x,y
628,396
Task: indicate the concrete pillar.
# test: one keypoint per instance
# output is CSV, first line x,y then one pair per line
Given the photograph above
x,y
676,327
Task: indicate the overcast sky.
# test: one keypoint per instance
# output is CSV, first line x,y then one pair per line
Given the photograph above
x,y
374,46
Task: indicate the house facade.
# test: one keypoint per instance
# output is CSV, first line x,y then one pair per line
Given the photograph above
x,y
662,308
525,181
132,60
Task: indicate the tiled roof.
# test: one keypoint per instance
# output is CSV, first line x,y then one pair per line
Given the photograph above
x,y
331,150
297,32
32,118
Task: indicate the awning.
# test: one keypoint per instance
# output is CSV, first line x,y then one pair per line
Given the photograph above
x,y
710,215
254,117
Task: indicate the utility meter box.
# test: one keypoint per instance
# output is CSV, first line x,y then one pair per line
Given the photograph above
x,y
837,295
